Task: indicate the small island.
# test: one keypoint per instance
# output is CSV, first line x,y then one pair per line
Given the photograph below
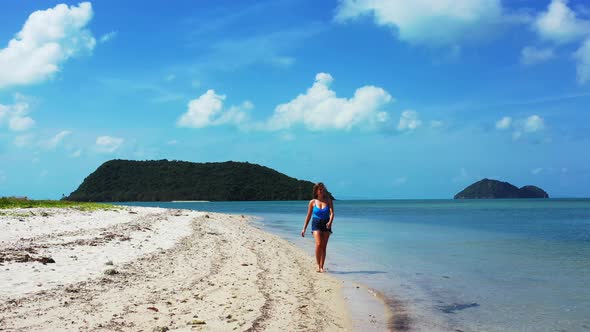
x,y
163,180
488,188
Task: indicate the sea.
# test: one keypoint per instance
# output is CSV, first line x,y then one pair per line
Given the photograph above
x,y
457,265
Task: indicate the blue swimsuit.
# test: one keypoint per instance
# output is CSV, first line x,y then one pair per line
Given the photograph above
x,y
320,218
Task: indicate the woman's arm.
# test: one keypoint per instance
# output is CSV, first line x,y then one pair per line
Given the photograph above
x,y
331,205
309,209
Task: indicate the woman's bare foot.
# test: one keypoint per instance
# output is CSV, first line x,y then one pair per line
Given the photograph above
x,y
321,270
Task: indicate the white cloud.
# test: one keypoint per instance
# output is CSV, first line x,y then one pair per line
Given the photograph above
x,y
504,123
108,36
560,24
582,55
172,142
76,153
201,110
207,110
22,141
532,55
432,22
18,123
320,109
55,140
324,78
16,114
533,124
382,117
47,39
235,114
409,121
536,171
108,144
530,125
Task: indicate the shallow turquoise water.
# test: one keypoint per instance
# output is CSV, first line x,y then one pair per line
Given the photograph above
x,y
475,265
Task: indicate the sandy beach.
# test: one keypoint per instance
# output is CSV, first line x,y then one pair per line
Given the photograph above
x,y
153,269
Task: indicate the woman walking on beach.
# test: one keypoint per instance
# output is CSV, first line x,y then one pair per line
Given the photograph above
x,y
321,212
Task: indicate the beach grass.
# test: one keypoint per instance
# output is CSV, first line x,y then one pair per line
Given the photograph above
x,y
25,203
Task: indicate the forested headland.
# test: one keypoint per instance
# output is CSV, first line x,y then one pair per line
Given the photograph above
x,y
164,180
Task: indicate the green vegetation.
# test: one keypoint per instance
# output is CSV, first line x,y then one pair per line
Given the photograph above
x,y
487,188
19,202
163,180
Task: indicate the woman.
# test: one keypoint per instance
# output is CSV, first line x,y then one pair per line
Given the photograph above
x,y
321,212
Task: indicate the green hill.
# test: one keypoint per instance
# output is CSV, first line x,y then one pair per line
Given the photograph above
x,y
163,180
488,188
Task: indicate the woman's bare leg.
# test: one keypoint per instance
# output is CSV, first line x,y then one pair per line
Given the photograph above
x,y
317,235
324,244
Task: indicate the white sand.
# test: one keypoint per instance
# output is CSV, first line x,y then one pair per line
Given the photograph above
x,y
82,242
175,269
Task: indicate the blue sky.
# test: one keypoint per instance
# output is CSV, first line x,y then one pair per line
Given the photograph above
x,y
378,99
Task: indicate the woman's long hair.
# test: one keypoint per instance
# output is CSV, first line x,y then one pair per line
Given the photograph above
x,y
315,189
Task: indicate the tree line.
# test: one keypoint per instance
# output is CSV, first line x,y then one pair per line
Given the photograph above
x,y
164,180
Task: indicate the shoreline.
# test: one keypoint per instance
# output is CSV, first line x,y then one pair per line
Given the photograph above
x,y
217,271
190,201
369,309
365,302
